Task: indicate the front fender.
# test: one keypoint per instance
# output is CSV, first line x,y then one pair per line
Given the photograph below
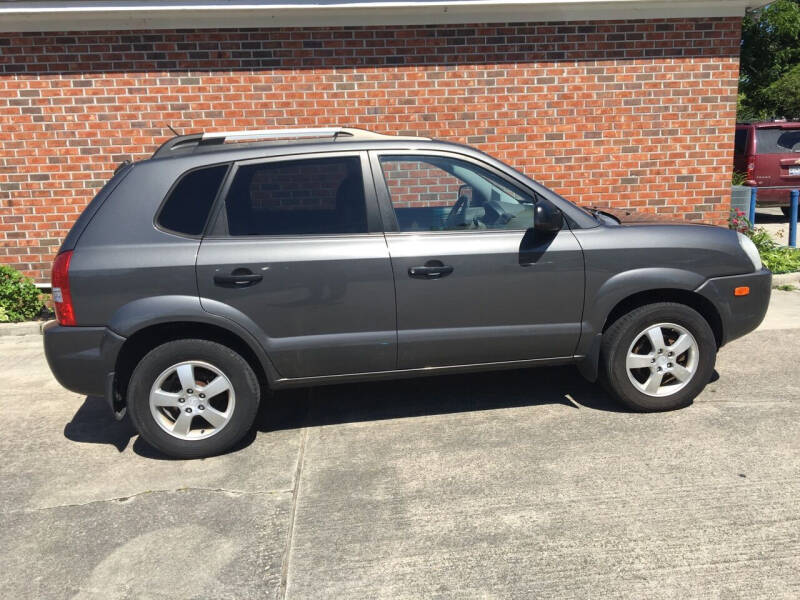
x,y
603,296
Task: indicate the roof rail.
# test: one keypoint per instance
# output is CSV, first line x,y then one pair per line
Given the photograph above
x,y
214,138
179,141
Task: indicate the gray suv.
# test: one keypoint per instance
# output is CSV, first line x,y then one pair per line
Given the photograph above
x,y
201,278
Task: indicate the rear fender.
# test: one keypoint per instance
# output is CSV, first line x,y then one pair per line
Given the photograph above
x,y
146,312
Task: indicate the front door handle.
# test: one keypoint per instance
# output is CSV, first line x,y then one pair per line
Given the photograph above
x,y
433,269
238,278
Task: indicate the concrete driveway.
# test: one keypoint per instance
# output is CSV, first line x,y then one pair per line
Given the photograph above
x,y
508,485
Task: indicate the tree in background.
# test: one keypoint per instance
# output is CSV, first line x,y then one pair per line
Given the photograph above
x,y
769,82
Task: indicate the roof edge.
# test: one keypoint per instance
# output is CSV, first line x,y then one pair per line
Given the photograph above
x,y
105,15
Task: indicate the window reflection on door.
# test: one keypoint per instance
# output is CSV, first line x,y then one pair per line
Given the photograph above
x,y
433,193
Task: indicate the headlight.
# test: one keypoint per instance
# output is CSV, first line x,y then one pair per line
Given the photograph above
x,y
750,249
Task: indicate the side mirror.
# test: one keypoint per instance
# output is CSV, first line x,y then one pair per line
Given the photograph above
x,y
547,218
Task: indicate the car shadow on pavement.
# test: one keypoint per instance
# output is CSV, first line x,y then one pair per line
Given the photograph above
x,y
93,423
763,218
426,396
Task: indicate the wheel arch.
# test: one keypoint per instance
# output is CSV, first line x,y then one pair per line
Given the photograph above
x,y
588,366
689,298
138,344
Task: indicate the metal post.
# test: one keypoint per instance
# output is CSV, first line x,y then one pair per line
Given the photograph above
x,y
753,194
793,219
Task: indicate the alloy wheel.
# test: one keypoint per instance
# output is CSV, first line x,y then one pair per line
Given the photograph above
x,y
662,359
192,400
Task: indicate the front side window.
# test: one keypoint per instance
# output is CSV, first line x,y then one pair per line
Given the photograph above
x,y
436,193
187,207
298,197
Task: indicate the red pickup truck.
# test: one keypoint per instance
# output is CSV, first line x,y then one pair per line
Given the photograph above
x,y
769,154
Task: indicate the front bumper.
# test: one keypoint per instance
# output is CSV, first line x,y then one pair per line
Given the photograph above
x,y
739,314
82,359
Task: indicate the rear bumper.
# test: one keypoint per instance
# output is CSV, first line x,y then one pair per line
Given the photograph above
x,y
768,197
82,359
739,314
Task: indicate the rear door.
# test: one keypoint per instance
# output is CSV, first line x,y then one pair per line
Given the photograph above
x,y
473,283
297,253
777,159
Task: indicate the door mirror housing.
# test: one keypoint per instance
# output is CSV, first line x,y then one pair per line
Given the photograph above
x,y
547,218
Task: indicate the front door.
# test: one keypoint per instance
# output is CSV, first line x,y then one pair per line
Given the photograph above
x,y
474,283
298,255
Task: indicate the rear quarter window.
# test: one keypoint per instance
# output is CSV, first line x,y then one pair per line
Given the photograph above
x,y
777,141
187,206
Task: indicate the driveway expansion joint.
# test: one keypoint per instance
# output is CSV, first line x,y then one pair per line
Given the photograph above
x,y
124,499
290,533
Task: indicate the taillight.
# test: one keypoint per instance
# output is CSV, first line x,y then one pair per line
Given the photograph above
x,y
62,298
751,170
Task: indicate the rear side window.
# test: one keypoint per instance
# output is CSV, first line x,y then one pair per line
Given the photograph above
x,y
741,141
298,197
187,207
777,141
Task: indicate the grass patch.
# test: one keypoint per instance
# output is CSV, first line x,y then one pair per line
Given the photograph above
x,y
778,259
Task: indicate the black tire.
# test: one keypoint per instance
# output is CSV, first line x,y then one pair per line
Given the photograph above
x,y
242,379
621,335
787,212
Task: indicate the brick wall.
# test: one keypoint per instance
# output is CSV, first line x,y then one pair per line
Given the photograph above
x,y
632,113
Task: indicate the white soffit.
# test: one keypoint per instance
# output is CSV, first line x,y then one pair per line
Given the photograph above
x,y
94,15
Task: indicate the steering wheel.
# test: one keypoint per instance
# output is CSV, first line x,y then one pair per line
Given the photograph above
x,y
459,210
503,216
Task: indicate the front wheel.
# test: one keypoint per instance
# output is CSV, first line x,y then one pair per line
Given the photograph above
x,y
787,212
193,398
658,357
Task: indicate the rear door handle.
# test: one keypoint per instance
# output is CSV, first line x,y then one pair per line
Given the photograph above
x,y
433,269
238,278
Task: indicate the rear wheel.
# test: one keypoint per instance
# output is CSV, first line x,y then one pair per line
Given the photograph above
x,y
658,357
193,398
787,212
